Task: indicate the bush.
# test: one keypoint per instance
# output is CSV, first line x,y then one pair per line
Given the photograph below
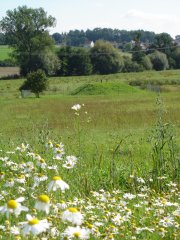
x,y
130,66
159,61
36,82
7,63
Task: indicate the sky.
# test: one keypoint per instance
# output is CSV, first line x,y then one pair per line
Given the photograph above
x,y
152,15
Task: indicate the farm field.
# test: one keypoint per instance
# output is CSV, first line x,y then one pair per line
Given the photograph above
x,y
8,71
4,52
118,151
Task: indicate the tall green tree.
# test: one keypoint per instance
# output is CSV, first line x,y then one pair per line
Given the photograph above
x,y
26,29
105,58
137,52
74,61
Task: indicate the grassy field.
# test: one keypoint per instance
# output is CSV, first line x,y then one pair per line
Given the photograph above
x,y
4,52
8,71
126,140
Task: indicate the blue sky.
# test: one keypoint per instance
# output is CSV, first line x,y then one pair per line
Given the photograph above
x,y
153,15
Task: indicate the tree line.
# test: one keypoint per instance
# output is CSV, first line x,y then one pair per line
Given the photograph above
x,y
78,38
26,31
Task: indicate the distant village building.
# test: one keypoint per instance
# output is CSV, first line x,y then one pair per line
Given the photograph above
x,y
88,44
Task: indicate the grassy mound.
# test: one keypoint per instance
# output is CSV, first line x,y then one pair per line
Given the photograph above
x,y
107,88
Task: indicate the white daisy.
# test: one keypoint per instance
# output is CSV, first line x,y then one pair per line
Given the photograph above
x,y
76,107
73,216
70,162
13,206
56,183
43,203
129,196
34,225
76,232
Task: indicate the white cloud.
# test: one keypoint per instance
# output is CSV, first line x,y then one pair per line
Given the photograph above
x,y
149,21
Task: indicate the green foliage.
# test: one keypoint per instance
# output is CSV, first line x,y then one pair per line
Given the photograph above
x,y
131,66
74,61
80,37
176,57
164,41
146,63
26,31
36,82
105,58
163,149
159,61
2,39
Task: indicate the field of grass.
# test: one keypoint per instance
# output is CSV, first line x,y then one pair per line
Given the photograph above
x,y
126,141
4,52
8,71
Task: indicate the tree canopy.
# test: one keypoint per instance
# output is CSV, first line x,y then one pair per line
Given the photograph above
x,y
26,29
105,58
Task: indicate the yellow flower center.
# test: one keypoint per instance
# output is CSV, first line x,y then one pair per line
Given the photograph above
x,y
77,234
44,198
57,145
55,178
33,221
42,160
73,210
12,204
21,177
59,151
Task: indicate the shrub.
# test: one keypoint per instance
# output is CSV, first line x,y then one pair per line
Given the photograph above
x,y
36,82
159,60
130,66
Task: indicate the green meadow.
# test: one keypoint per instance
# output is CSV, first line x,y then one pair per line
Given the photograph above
x,y
126,140
4,52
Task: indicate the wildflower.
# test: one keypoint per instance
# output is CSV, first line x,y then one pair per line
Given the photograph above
x,y
54,232
162,232
167,221
23,147
14,206
76,107
9,183
4,159
14,230
41,163
61,205
56,183
140,180
76,232
43,203
21,179
73,216
49,144
39,178
129,196
139,230
70,162
34,225
58,151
